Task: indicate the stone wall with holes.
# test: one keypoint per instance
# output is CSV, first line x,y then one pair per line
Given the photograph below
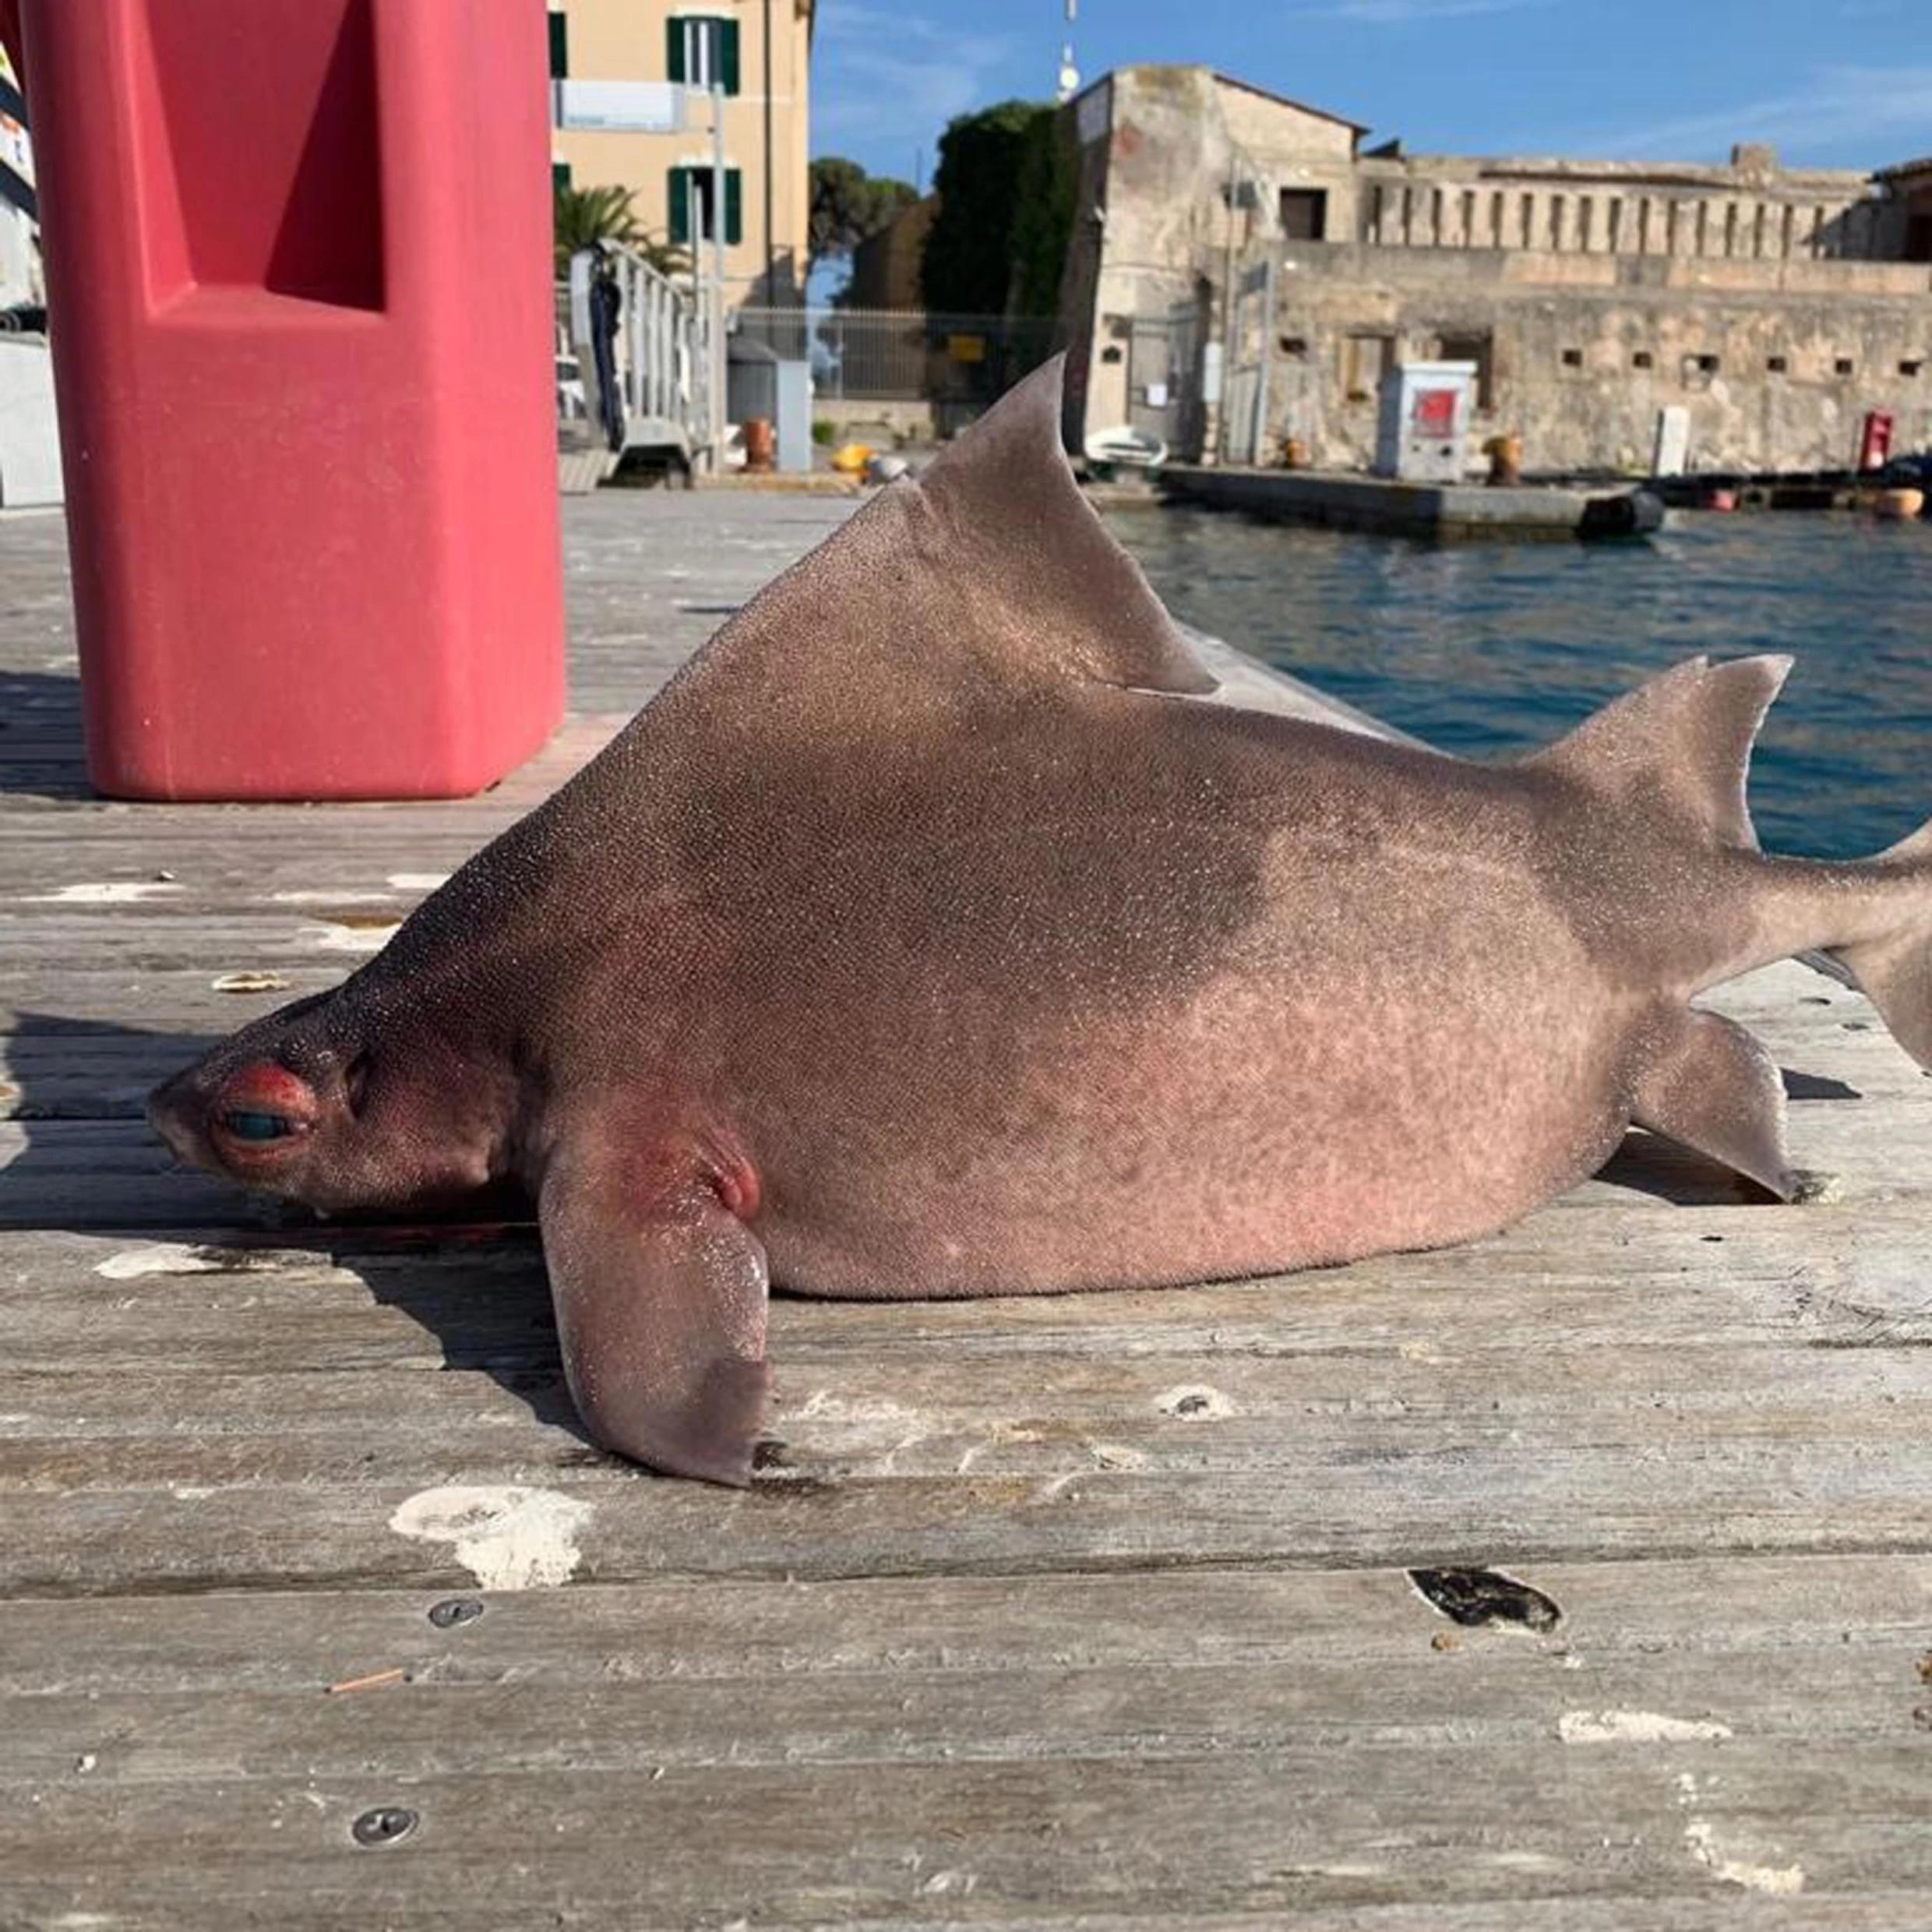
x,y
1777,362
1777,304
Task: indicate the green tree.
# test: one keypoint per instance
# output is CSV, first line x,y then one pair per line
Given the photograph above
x,y
1043,219
584,216
847,204
969,264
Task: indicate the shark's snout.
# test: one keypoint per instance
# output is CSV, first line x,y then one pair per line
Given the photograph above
x,y
168,1115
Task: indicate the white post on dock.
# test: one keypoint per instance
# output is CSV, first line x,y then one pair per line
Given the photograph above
x,y
717,336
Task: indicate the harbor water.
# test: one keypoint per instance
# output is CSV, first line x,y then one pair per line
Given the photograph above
x,y
1491,649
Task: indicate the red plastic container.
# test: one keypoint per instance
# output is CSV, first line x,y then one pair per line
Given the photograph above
x,y
1874,439
298,254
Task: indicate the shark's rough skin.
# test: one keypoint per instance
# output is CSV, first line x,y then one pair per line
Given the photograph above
x,y
923,938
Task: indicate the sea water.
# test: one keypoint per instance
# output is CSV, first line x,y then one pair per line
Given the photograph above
x,y
1491,648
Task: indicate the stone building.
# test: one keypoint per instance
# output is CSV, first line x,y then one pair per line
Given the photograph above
x,y
1777,306
629,85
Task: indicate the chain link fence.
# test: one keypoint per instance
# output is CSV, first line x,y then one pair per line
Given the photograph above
x,y
904,354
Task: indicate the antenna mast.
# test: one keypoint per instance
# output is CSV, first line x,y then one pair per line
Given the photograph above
x,y
1069,74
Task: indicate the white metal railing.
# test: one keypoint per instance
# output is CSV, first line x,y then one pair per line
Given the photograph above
x,y
663,359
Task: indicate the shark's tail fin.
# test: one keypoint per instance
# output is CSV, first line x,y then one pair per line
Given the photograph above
x,y
1894,969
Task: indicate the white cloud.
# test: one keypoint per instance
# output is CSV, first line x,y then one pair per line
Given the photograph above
x,y
1878,107
889,82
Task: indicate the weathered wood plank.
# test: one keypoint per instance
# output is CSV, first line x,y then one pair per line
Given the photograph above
x,y
1871,1613
1606,1276
1786,1483
1266,1831
842,1412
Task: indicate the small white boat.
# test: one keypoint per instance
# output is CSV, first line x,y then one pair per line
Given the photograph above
x,y
1126,446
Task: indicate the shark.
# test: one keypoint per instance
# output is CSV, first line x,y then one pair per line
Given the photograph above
x,y
929,936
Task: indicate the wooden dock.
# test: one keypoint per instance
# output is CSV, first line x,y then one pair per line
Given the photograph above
x,y
315,1610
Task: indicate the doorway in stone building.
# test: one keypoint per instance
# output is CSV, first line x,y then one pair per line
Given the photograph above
x,y
1164,378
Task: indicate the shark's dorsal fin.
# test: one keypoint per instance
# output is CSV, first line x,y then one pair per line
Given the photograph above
x,y
1069,595
1680,745
989,574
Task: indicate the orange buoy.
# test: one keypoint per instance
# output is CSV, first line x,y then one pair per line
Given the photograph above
x,y
1899,506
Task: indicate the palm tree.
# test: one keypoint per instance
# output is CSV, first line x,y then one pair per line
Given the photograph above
x,y
585,216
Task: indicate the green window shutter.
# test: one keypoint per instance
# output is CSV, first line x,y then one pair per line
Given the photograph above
x,y
559,46
728,37
734,206
674,47
559,175
681,207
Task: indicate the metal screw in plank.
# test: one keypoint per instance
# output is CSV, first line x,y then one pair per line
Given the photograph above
x,y
454,1610
386,1824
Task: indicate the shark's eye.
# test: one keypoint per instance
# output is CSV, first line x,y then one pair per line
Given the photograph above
x,y
262,1110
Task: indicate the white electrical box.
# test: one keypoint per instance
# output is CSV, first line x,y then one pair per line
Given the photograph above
x,y
1422,433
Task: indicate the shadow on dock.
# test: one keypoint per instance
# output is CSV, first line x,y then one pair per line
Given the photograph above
x,y
86,1163
42,754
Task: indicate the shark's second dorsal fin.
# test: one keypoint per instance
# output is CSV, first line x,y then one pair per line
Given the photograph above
x,y
1681,744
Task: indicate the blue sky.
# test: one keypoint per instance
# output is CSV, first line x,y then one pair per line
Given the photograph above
x,y
1832,82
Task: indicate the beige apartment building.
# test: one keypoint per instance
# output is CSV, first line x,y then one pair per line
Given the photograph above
x,y
631,107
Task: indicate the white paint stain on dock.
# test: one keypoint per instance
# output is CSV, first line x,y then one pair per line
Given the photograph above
x,y
327,895
507,1539
1701,1836
350,938
1779,1881
159,1257
1636,1727
248,982
105,892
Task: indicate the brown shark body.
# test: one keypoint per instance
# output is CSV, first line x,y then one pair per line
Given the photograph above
x,y
927,936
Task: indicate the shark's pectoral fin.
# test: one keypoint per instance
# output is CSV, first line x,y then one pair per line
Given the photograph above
x,y
1709,1084
660,1291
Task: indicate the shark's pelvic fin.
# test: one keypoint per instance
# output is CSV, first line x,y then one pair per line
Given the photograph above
x,y
1712,1087
1681,744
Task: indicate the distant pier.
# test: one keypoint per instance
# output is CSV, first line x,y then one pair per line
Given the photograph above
x,y
1448,512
